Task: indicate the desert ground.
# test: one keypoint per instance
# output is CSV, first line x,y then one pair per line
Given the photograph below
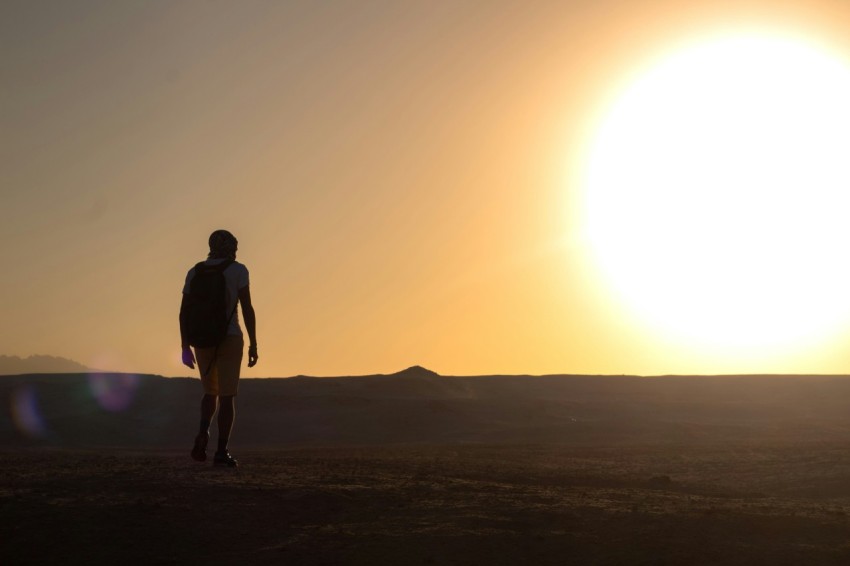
x,y
416,468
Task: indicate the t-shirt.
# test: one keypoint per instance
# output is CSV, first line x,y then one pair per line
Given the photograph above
x,y
235,278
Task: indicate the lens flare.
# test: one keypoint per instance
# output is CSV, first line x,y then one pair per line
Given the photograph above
x,y
114,392
26,413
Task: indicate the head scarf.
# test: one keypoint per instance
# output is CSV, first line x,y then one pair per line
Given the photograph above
x,y
222,245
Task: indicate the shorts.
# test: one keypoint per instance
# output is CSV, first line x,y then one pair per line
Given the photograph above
x,y
222,378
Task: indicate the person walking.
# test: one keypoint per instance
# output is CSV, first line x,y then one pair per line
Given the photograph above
x,y
209,323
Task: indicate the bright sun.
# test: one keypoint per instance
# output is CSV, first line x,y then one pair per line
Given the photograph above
x,y
718,191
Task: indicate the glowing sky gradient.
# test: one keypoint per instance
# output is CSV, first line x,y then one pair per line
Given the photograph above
x,y
402,178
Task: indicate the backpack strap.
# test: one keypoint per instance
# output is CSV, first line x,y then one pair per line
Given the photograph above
x,y
204,266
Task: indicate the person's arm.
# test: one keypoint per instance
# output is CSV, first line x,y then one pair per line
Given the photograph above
x,y
188,356
250,324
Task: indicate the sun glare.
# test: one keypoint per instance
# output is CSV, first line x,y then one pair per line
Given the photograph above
x,y
717,192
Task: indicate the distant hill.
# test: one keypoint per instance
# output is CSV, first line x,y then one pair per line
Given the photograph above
x,y
416,371
14,365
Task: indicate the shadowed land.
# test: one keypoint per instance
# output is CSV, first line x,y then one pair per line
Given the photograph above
x,y
416,468
431,505
418,406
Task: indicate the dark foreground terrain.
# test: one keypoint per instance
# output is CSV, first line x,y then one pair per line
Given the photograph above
x,y
780,504
416,468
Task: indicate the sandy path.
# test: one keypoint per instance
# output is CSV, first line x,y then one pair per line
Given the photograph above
x,y
430,505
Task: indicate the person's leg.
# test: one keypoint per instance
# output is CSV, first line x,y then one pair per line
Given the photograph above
x,y
228,365
226,416
209,403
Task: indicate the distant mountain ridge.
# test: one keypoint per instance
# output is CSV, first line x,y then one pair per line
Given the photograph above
x,y
14,365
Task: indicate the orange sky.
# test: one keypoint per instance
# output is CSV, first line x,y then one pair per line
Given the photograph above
x,y
402,178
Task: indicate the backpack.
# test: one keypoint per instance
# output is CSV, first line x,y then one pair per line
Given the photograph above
x,y
207,318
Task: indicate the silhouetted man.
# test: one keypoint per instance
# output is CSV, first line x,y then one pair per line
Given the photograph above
x,y
219,364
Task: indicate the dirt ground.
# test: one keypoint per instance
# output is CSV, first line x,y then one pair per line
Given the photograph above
x,y
459,504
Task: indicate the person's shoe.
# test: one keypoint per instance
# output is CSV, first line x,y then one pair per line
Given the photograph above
x,y
199,451
225,459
